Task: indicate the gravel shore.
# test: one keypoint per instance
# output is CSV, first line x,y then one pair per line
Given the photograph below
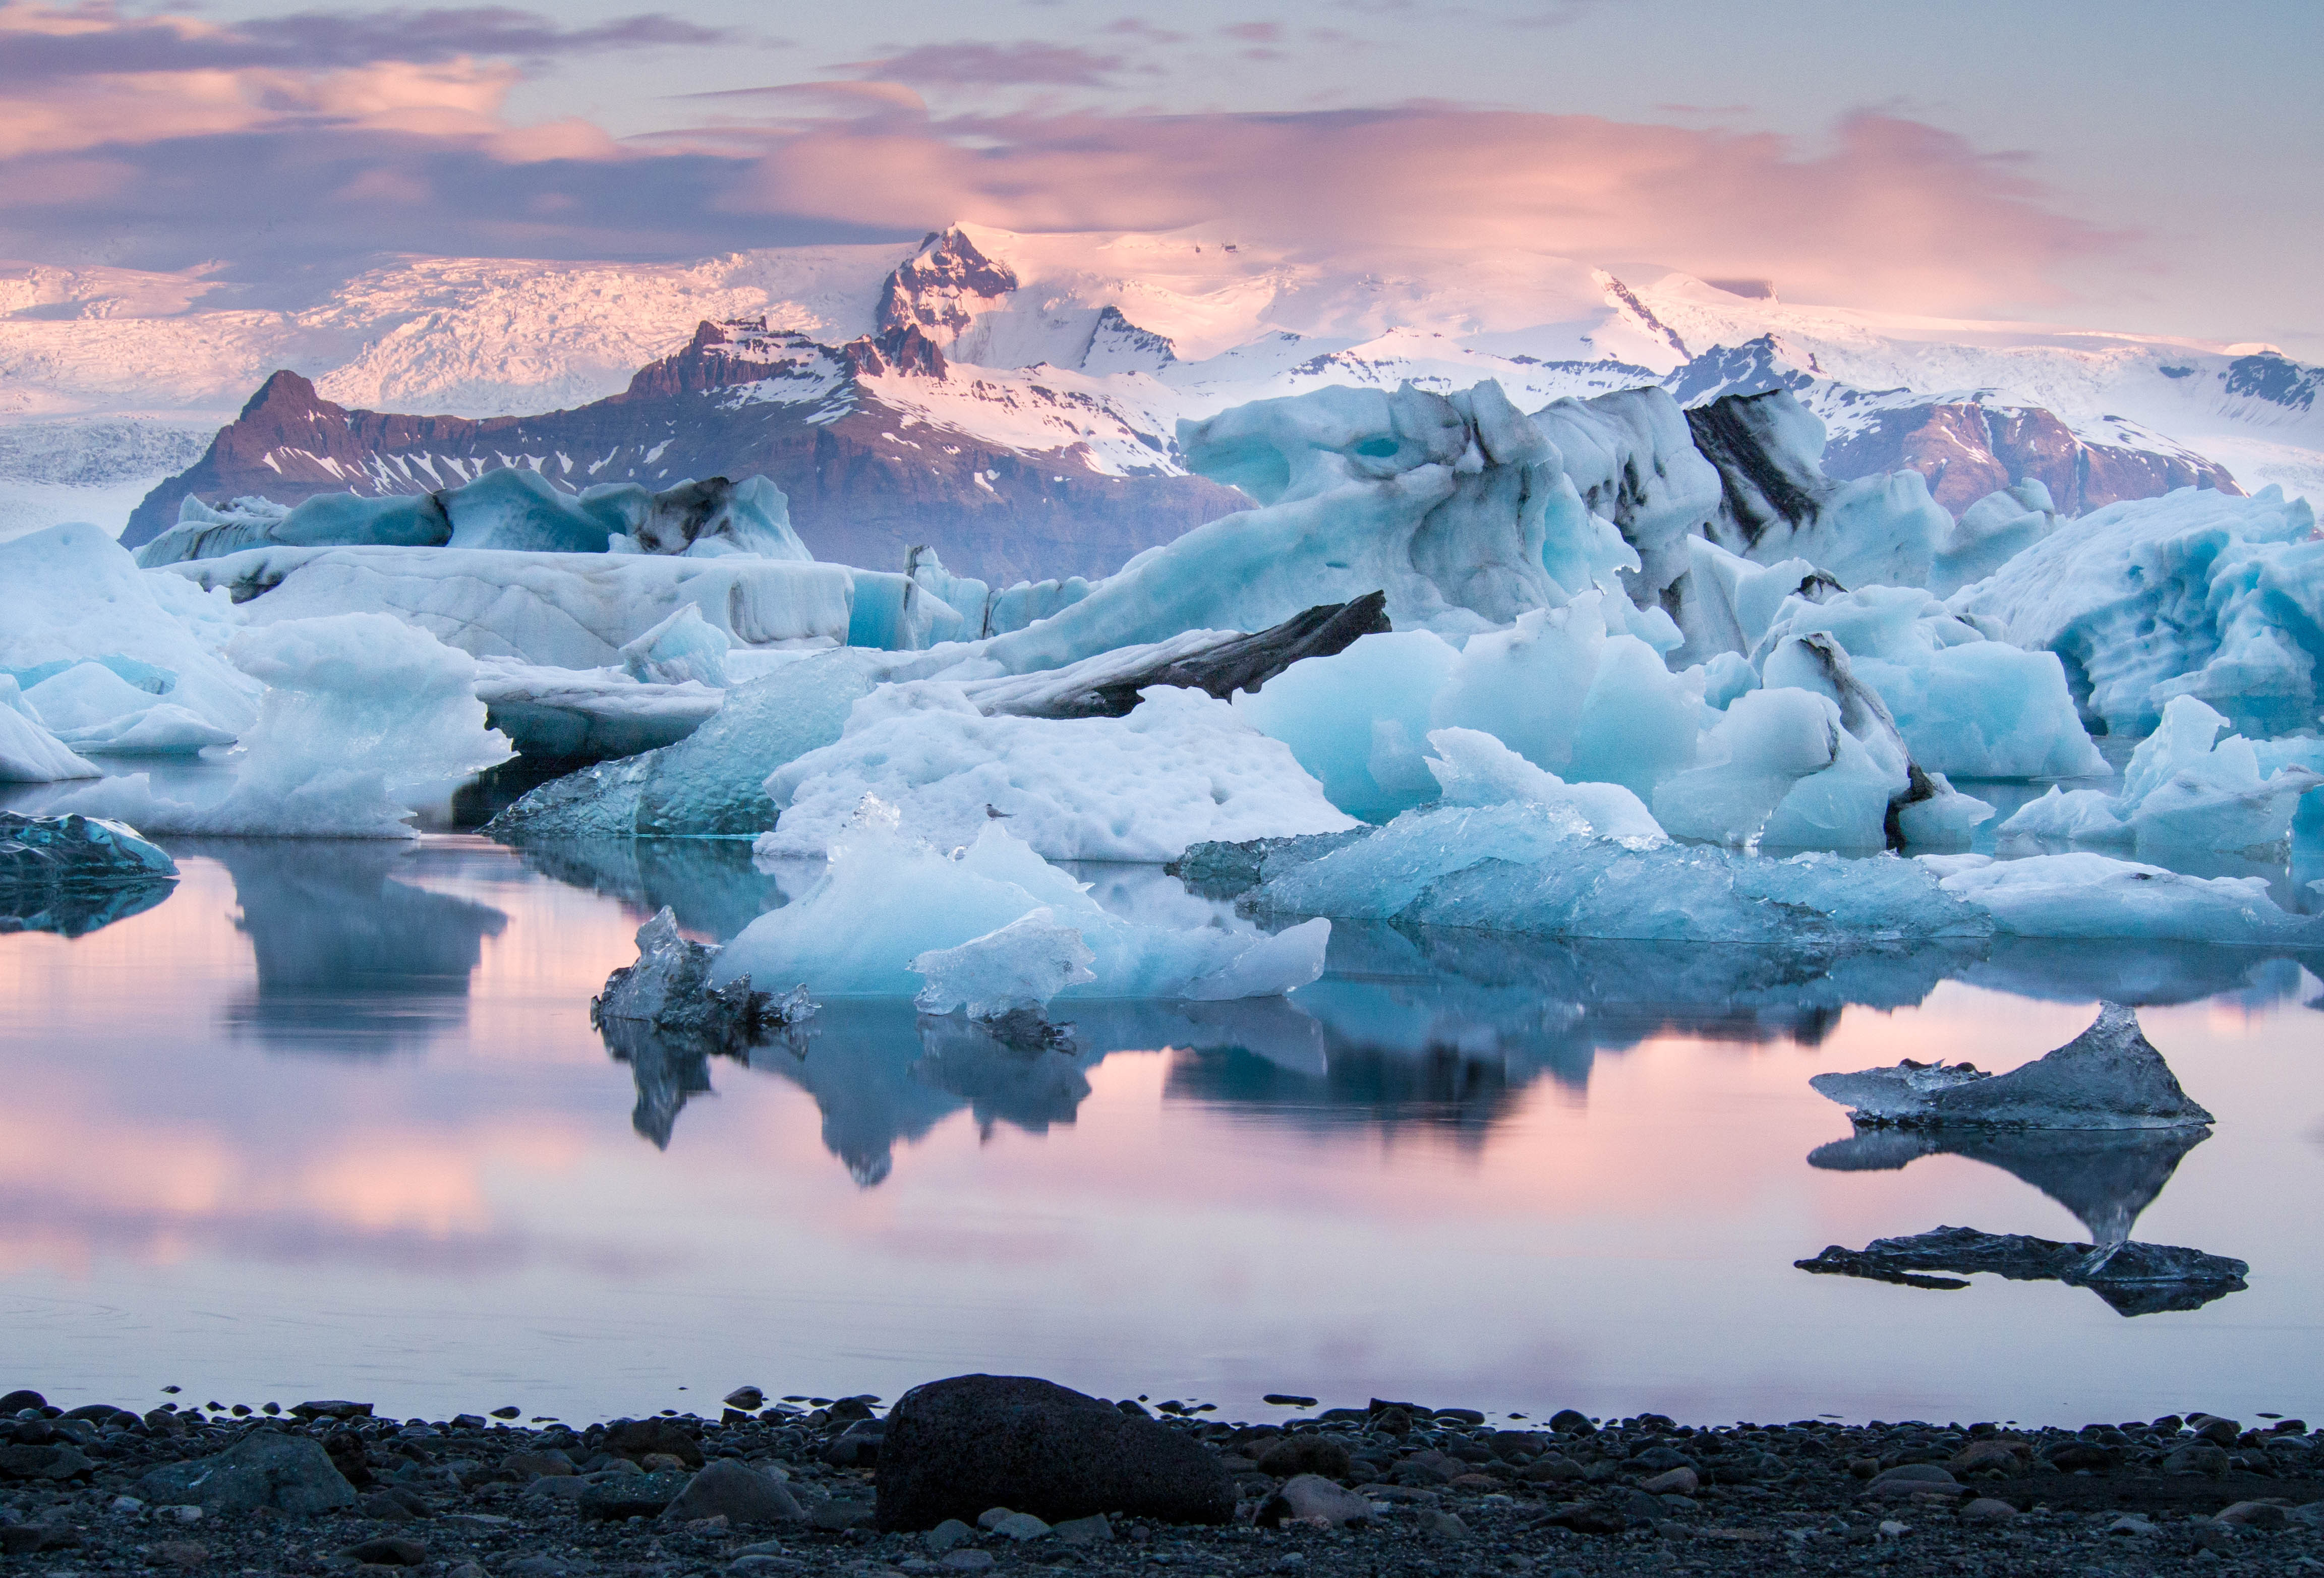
x,y
1386,1489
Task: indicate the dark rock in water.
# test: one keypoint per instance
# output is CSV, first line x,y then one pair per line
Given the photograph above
x,y
17,1401
1242,662
737,1492
333,1410
638,1438
289,1474
2110,1076
2134,1279
957,1447
619,1496
1572,1422
2105,1177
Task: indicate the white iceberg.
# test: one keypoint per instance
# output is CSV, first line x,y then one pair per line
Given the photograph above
x,y
589,714
564,610
113,658
1965,706
2198,592
1991,532
1632,458
2085,894
28,753
683,647
363,719
1180,769
2185,788
892,917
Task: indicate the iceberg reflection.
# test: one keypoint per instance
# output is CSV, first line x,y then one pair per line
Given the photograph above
x,y
349,960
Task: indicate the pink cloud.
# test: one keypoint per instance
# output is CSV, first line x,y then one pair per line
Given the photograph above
x,y
1893,214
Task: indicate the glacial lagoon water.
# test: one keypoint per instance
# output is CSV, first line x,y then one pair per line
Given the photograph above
x,y
330,1120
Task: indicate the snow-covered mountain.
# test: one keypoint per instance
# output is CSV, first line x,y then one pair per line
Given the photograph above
x,y
1095,345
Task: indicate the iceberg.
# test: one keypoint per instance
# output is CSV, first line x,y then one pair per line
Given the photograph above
x,y
566,610
112,658
1455,506
890,904
1991,532
2185,788
1776,503
1474,768
1632,458
1357,720
1538,871
513,508
1181,768
669,988
29,751
1964,705
683,647
2198,594
2110,1076
74,851
588,715
2084,894
2134,1279
364,718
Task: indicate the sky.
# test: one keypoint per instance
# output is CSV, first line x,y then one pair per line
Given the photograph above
x,y
2139,164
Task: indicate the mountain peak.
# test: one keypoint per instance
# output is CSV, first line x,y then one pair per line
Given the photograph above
x,y
940,289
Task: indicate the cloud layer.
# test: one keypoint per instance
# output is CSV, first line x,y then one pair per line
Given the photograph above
x,y
158,141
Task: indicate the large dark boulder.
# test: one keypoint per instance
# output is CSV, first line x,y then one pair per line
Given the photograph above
x,y
267,1468
954,1448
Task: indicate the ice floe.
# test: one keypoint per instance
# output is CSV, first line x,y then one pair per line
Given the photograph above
x,y
363,719
890,904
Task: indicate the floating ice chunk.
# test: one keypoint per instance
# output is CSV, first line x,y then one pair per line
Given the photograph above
x,y
1726,602
588,714
1474,768
1762,745
2085,894
2068,816
512,509
1022,964
1536,870
1991,532
685,646
2110,1076
28,753
2198,592
888,903
1180,769
1776,502
1574,700
363,719
1962,705
92,709
1455,506
2134,1279
1633,459
75,596
1357,720
670,989
572,610
74,851
2184,788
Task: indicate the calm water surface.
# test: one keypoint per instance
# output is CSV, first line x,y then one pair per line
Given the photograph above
x,y
330,1120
